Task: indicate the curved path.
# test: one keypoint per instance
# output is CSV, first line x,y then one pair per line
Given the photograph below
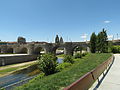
x,y
16,65
112,79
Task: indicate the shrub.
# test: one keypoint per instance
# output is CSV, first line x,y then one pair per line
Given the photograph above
x,y
116,49
62,66
47,63
68,58
78,55
84,54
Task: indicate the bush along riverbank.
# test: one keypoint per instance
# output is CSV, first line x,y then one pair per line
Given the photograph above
x,y
72,68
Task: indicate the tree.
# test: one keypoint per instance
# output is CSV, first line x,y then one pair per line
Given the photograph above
x,y
57,39
102,43
110,45
98,42
93,39
61,40
105,47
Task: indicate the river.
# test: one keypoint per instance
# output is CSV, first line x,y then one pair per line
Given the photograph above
x,y
13,78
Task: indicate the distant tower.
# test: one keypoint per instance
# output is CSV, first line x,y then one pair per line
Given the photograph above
x,y
21,40
61,40
57,39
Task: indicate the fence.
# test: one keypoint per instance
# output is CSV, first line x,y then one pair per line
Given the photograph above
x,y
86,81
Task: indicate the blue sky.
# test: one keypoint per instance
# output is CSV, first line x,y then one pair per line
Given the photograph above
x,y
41,20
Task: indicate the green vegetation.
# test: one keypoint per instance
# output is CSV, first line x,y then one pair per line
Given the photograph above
x,y
110,46
63,66
67,76
83,54
5,70
31,70
68,59
78,55
99,42
48,63
2,89
115,49
60,56
102,44
93,39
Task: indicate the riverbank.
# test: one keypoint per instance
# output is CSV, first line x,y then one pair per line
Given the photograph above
x,y
64,78
12,74
9,69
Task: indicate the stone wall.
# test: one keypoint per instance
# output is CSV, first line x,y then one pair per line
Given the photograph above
x,y
16,59
31,49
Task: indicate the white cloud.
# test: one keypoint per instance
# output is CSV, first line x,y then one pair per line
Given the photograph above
x,y
110,36
84,36
107,21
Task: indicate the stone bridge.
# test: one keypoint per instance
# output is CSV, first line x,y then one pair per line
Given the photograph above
x,y
32,49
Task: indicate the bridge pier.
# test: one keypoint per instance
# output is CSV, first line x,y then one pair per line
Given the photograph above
x,y
49,48
31,49
88,49
16,49
68,50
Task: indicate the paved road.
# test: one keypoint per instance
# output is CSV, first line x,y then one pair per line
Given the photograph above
x,y
112,79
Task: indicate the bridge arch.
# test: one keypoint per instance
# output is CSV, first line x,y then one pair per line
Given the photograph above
x,y
24,50
58,50
70,48
39,50
78,49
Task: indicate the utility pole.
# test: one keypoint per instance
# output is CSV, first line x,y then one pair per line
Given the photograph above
x,y
113,38
70,40
117,36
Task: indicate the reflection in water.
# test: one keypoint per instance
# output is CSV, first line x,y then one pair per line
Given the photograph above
x,y
60,60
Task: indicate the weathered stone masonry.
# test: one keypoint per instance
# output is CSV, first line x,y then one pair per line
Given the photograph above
x,y
32,49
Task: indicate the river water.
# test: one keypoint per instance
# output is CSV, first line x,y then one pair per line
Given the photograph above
x,y
10,79
13,78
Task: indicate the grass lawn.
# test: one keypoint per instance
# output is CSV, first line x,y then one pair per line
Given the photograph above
x,y
64,78
60,56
